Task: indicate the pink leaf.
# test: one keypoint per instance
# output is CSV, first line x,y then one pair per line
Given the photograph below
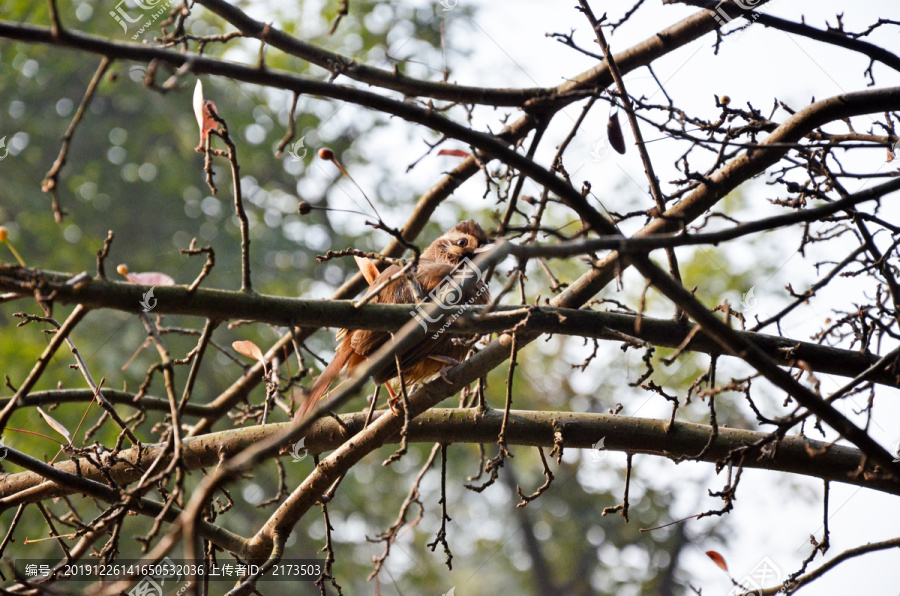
x,y
249,349
454,152
55,425
150,278
368,268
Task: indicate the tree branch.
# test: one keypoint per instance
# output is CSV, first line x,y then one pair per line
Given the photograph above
x,y
794,454
233,305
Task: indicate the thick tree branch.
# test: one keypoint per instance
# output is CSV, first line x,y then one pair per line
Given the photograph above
x,y
350,68
794,454
232,305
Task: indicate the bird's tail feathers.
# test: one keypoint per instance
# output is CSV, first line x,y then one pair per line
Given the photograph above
x,y
320,387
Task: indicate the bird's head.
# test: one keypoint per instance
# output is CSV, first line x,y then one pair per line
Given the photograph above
x,y
462,241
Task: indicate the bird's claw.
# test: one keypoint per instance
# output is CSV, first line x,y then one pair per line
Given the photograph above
x,y
444,376
450,362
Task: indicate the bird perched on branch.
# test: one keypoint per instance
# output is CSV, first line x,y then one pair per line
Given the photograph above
x,y
431,355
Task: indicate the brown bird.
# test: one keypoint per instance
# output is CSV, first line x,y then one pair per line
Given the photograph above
x,y
430,356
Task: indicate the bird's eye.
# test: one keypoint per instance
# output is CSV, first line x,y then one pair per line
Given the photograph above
x,y
462,242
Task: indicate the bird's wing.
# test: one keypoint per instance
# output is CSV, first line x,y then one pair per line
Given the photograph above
x,y
443,343
400,291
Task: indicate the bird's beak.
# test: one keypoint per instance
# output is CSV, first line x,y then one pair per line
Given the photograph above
x,y
485,248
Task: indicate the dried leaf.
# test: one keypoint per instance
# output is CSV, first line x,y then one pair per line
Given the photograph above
x,y
249,349
454,152
368,268
150,278
55,425
717,559
614,133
